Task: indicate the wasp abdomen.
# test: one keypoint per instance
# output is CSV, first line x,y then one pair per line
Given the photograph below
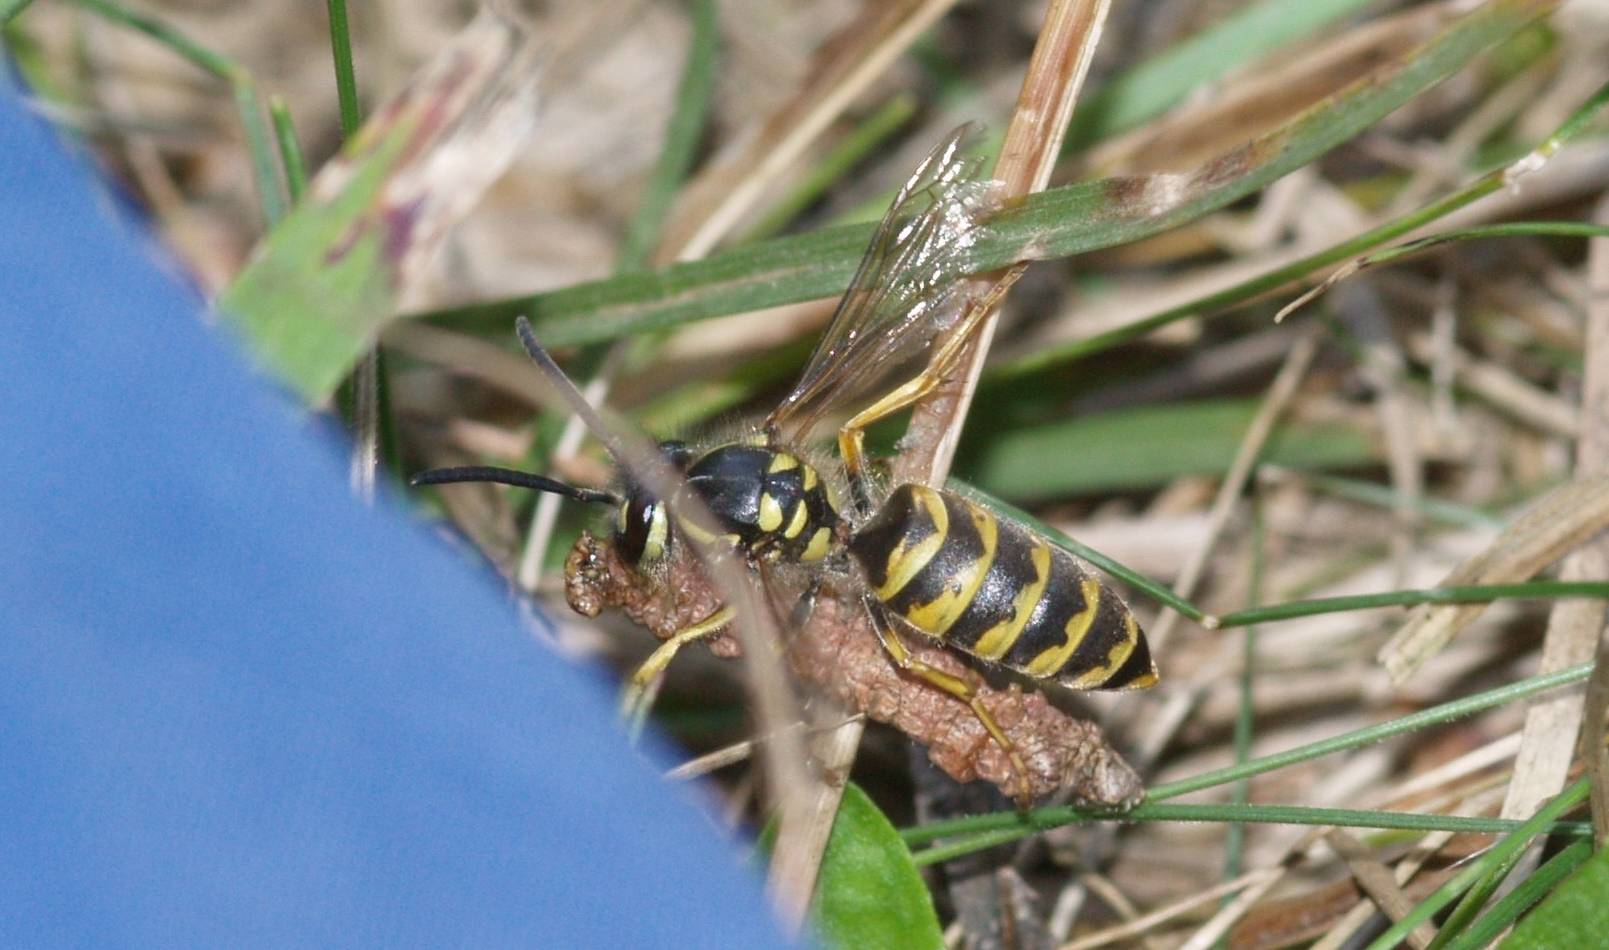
x,y
999,591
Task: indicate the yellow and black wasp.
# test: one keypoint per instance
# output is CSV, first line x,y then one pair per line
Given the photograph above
x,y
923,560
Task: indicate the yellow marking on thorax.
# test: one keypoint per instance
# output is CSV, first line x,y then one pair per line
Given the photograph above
x,y
809,477
781,462
694,531
1114,659
820,542
998,640
770,513
904,562
801,517
937,616
1053,659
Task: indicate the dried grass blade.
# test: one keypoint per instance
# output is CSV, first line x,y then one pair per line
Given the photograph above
x,y
735,182
1594,557
1055,76
1555,525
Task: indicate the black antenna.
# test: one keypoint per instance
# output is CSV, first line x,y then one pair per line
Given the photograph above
x,y
509,476
569,393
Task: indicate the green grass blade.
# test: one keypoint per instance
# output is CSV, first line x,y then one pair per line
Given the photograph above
x,y
290,148
1471,594
1052,224
1296,270
346,79
1436,715
1164,80
259,143
682,134
1249,814
1516,902
1498,854
1146,447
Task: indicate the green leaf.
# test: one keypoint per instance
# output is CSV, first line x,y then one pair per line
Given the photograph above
x,y
869,893
1576,914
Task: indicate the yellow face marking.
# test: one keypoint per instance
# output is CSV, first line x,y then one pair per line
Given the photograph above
x,y
1114,660
905,562
997,641
809,478
819,543
781,462
1053,659
692,530
658,527
770,513
937,616
621,524
801,516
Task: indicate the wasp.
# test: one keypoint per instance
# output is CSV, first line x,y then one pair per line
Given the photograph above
x,y
922,560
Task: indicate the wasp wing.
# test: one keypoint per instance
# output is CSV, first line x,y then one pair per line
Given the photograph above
x,y
905,294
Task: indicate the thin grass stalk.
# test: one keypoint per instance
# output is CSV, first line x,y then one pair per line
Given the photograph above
x,y
1516,841
1470,594
1244,291
1246,709
1382,496
346,80
1045,818
243,87
1267,814
1510,906
290,149
1469,906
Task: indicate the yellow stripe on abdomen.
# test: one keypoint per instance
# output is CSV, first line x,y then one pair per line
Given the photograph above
x,y
998,640
938,615
1052,660
907,560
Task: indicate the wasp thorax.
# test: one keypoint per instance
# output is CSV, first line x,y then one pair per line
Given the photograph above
x,y
744,496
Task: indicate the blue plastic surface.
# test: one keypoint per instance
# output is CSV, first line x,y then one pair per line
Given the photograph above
x,y
237,708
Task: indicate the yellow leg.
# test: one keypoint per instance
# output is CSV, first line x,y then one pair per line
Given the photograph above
x,y
955,686
640,690
852,435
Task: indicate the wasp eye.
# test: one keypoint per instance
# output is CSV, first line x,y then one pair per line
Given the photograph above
x,y
642,530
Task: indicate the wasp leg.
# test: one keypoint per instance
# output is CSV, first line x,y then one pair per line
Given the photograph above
x,y
804,606
640,691
852,435
955,686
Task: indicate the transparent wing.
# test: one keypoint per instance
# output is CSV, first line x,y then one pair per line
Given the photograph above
x,y
906,292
